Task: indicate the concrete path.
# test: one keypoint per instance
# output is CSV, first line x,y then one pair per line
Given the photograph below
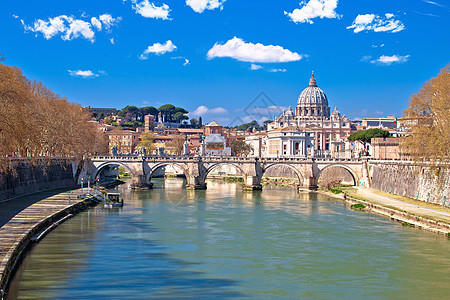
x,y
16,233
415,209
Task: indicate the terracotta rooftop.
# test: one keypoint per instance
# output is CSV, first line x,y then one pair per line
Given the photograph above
x,y
213,123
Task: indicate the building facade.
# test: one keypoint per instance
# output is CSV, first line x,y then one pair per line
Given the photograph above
x,y
387,148
288,142
312,115
125,141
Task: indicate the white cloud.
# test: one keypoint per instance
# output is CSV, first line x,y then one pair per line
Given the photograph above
x,y
388,60
48,28
69,27
238,49
96,23
150,10
366,58
108,21
314,9
433,3
204,110
277,70
83,74
186,61
201,5
112,41
376,23
380,46
255,67
385,60
79,28
424,14
158,49
15,16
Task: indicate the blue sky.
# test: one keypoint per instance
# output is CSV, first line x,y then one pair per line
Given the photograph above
x,y
214,57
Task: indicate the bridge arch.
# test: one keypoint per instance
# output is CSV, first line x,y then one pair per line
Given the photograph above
x,y
220,164
113,163
300,176
164,164
347,168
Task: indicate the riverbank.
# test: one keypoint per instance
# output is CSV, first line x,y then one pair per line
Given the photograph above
x,y
32,223
409,212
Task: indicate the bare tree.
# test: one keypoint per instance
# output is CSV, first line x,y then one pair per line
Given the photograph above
x,y
36,123
429,117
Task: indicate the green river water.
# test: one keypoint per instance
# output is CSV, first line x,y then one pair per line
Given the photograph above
x,y
169,242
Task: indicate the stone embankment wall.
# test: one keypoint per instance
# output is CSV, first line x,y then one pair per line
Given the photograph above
x,y
27,177
419,181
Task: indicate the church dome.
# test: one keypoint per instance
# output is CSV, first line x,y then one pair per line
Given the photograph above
x,y
336,113
312,95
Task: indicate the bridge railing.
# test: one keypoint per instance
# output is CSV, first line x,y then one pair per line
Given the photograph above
x,y
237,159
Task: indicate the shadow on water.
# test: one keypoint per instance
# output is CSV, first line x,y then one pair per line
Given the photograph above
x,y
110,254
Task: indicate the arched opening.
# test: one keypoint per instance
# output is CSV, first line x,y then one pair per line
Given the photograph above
x,y
167,175
281,174
336,175
110,171
226,172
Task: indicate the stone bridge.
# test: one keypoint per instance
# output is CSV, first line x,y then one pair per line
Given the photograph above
x,y
196,169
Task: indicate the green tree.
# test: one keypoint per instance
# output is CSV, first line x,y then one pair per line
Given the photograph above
x,y
240,148
200,122
179,117
194,122
147,110
167,112
249,126
181,110
147,141
366,135
107,121
133,110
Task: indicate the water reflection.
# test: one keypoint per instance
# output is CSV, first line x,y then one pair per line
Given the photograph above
x,y
223,242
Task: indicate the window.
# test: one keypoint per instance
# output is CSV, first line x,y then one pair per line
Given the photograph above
x,y
284,147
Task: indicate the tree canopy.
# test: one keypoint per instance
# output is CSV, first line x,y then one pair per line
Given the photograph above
x,y
132,110
366,135
249,126
428,114
36,122
147,141
240,148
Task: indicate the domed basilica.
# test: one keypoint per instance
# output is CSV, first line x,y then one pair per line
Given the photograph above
x,y
311,120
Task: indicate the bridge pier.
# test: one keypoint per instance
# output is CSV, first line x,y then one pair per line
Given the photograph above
x,y
195,183
252,183
308,184
139,182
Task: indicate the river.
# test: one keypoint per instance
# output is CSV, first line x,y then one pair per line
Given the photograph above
x,y
169,242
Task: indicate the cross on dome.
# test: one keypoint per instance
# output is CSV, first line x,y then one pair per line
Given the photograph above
x,y
312,81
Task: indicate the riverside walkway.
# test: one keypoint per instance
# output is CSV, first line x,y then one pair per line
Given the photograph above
x,y
417,208
431,217
28,223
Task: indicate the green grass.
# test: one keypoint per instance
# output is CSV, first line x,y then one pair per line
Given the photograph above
x,y
233,179
358,206
336,190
